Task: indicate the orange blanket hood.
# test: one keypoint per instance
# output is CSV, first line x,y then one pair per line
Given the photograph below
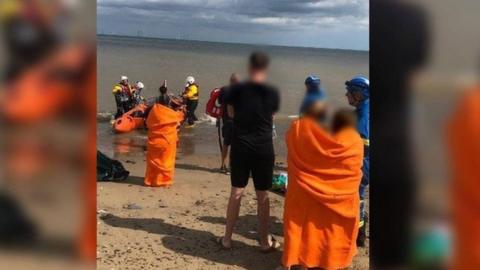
x,y
162,123
322,202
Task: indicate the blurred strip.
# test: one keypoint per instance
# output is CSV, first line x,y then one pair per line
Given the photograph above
x,y
398,48
47,110
424,191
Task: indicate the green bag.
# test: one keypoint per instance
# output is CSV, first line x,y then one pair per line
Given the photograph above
x,y
280,182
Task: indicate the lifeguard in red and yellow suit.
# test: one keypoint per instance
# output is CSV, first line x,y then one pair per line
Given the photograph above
x,y
123,96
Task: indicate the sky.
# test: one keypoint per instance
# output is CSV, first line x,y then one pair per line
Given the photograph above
x,y
340,24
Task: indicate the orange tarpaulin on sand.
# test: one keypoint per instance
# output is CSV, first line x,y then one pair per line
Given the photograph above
x,y
162,123
464,144
322,202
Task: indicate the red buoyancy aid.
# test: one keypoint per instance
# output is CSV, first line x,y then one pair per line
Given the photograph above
x,y
214,108
126,89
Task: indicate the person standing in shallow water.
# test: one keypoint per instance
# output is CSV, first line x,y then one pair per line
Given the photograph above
x,y
122,93
252,104
226,122
164,98
191,96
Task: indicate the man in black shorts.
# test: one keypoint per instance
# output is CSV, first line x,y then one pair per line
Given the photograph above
x,y
226,122
252,104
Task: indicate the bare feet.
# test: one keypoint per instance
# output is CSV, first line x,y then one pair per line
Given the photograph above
x,y
226,245
271,246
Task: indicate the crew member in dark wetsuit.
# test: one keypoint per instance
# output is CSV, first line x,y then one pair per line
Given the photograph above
x,y
164,98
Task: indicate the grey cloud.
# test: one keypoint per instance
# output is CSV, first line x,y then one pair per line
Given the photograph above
x,y
252,8
237,15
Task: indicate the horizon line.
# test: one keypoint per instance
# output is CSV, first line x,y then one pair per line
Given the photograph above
x,y
238,43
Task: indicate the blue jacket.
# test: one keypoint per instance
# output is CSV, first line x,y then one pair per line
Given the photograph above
x,y
363,127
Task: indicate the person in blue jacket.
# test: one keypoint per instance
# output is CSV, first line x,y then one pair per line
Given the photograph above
x,y
314,94
358,95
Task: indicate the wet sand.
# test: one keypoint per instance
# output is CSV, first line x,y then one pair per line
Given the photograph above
x,y
175,228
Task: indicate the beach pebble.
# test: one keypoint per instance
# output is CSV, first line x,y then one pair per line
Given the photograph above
x,y
102,212
162,205
132,206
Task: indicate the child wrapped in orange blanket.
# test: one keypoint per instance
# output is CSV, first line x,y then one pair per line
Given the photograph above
x,y
322,202
162,123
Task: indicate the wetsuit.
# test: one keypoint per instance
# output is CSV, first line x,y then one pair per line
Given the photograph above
x,y
164,99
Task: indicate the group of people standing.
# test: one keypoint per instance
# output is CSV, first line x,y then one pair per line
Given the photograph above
x,y
128,96
328,162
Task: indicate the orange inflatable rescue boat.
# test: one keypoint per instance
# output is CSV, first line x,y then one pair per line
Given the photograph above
x,y
131,120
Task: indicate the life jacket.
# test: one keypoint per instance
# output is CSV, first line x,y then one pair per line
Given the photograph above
x,y
214,108
120,88
191,92
122,91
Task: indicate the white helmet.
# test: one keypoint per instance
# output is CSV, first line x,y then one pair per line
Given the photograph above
x,y
190,79
140,85
124,78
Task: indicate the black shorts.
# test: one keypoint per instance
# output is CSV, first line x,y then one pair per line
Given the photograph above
x,y
259,166
227,132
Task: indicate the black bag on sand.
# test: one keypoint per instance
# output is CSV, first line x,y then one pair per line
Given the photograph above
x,y
109,169
15,227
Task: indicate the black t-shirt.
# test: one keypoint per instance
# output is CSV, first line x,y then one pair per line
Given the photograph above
x,y
254,105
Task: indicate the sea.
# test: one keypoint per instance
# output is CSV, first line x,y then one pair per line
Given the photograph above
x,y
153,60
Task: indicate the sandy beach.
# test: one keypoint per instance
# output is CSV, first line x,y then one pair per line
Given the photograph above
x,y
175,228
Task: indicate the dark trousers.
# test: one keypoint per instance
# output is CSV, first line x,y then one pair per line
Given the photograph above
x,y
363,195
120,107
191,107
123,105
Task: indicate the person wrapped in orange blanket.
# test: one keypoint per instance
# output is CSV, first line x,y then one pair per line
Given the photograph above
x,y
162,123
322,203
